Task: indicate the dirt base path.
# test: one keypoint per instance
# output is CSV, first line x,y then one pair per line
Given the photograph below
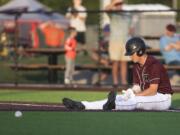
x,y
27,106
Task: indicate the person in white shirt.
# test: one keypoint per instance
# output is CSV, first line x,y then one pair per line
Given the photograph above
x,y
121,28
78,20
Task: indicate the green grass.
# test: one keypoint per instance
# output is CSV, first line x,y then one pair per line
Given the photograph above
x,y
85,123
90,123
56,96
48,96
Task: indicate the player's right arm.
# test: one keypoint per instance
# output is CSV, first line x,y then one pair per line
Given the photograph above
x,y
152,90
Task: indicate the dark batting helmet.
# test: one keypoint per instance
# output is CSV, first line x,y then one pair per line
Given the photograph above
x,y
135,44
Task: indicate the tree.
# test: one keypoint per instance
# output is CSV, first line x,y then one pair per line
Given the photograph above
x,y
3,2
62,5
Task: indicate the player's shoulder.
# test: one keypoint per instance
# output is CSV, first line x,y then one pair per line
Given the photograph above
x,y
155,64
153,60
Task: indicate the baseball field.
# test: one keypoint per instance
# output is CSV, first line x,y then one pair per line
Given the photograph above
x,y
57,122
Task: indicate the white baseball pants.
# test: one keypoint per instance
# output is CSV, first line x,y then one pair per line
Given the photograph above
x,y
156,102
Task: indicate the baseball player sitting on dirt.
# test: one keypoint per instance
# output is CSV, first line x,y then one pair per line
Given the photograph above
x,y
151,86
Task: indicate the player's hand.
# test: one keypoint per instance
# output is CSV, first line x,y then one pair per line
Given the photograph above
x,y
127,94
136,89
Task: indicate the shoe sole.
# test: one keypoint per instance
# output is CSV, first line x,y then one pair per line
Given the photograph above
x,y
68,103
72,105
111,100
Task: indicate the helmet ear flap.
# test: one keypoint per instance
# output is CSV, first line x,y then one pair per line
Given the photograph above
x,y
140,52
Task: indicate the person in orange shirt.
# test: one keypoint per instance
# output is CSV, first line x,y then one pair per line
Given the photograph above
x,y
53,33
34,36
70,55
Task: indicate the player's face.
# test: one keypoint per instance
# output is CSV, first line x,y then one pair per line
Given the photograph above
x,y
134,58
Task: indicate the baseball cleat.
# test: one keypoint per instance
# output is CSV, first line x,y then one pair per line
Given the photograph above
x,y
110,104
73,105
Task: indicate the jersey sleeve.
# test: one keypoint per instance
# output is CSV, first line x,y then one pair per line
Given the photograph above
x,y
154,76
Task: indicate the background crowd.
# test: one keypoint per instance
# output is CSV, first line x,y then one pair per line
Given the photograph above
x,y
110,49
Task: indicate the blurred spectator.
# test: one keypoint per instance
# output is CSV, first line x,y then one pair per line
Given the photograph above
x,y
170,49
101,55
172,46
53,33
3,45
35,37
9,29
7,38
70,48
78,21
121,25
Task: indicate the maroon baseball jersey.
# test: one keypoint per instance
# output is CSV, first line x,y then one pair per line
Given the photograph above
x,y
152,72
